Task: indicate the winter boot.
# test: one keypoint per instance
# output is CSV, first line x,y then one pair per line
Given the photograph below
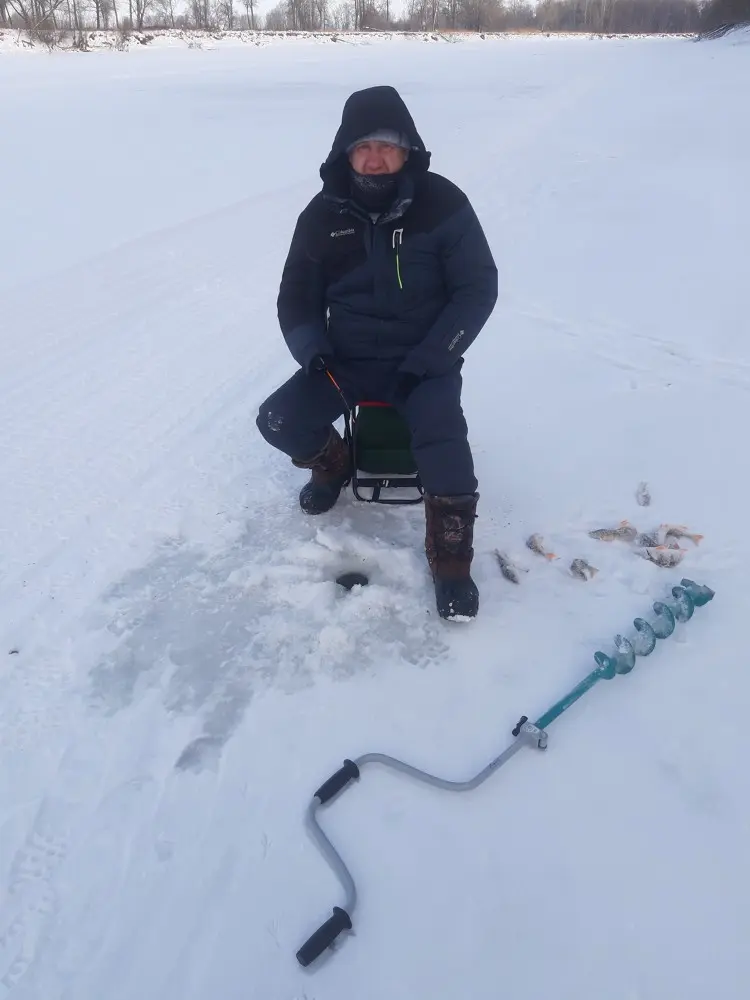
x,y
448,544
330,473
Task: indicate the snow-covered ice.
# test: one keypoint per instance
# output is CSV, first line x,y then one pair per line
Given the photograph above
x,y
179,671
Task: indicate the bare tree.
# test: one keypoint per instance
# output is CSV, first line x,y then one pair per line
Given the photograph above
x,y
140,10
200,13
33,14
618,16
708,17
166,11
415,15
342,16
276,19
450,12
479,15
225,13
720,16
250,13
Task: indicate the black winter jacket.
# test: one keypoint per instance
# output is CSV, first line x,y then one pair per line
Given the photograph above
x,y
413,288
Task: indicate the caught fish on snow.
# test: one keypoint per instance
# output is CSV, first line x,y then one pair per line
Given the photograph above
x,y
625,532
648,539
535,542
662,555
582,569
677,531
510,570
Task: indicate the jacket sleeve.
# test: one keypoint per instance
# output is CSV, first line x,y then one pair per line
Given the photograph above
x,y
301,298
472,283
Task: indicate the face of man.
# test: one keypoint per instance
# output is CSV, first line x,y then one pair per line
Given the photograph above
x,y
377,158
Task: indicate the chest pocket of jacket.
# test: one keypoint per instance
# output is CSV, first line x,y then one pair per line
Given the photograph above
x,y
417,271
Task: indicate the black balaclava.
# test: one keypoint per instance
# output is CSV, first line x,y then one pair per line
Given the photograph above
x,y
376,192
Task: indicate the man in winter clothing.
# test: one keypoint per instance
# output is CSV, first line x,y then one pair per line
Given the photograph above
x,y
388,280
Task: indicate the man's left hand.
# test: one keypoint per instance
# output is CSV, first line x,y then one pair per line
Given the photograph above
x,y
406,383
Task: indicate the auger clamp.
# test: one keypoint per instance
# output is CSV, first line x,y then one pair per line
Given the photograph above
x,y
530,733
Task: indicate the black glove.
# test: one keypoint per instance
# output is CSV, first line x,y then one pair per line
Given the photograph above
x,y
406,383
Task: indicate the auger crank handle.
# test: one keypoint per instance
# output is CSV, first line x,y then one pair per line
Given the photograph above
x,y
324,936
338,781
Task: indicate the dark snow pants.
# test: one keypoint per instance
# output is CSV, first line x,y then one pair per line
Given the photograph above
x,y
296,419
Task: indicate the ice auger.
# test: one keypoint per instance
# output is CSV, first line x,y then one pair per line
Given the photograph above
x,y
685,599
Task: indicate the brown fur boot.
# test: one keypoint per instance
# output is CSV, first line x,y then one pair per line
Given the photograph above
x,y
330,473
449,538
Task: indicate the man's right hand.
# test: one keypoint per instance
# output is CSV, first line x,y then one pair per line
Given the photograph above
x,y
320,363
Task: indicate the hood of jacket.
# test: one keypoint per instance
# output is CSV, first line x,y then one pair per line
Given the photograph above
x,y
366,111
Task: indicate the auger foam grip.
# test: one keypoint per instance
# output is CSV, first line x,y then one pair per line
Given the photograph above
x,y
324,936
342,777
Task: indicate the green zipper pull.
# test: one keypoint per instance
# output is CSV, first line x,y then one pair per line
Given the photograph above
x,y
398,235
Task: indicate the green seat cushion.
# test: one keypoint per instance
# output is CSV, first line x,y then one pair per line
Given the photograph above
x,y
383,442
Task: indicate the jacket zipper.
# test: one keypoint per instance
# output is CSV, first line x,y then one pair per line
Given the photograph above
x,y
398,235
369,235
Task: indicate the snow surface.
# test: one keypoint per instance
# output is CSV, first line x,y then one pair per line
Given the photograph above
x,y
179,673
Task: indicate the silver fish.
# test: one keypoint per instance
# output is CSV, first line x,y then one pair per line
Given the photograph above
x,y
535,542
643,495
508,568
661,555
583,570
648,539
680,531
625,533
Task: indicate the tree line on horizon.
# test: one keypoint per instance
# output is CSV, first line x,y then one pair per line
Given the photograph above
x,y
721,16
706,18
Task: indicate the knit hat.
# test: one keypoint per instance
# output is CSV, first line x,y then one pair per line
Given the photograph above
x,y
388,135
